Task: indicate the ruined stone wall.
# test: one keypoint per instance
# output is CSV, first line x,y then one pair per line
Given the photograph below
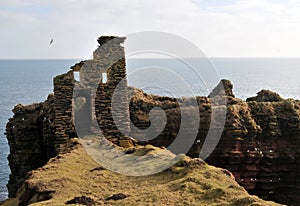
x,y
115,130
108,59
63,121
259,144
111,103
108,98
40,131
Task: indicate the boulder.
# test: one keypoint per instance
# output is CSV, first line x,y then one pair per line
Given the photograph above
x,y
223,88
266,96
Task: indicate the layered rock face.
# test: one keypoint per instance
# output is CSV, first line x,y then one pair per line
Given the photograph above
x,y
259,144
30,134
79,180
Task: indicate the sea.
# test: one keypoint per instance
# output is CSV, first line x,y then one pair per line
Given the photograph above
x,y
30,81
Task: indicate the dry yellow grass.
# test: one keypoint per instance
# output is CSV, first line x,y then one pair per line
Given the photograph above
x,y
73,174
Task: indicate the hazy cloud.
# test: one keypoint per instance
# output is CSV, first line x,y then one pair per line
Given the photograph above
x,y
227,28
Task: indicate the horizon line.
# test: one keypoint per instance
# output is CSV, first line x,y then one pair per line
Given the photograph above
x,y
212,57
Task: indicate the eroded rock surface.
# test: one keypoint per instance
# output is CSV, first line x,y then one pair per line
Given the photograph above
x,y
259,143
30,135
71,180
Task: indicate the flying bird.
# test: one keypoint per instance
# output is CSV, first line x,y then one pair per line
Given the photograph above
x,y
51,41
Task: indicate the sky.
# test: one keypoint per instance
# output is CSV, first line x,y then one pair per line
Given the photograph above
x,y
220,28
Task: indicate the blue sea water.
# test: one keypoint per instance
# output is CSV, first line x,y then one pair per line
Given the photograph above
x,y
25,82
30,81
248,75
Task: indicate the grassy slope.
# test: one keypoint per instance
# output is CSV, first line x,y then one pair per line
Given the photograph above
x,y
72,175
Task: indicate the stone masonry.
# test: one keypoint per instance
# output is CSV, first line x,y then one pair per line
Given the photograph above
x,y
260,143
40,131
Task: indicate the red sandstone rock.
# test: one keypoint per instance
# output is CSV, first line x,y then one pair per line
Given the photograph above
x,y
260,144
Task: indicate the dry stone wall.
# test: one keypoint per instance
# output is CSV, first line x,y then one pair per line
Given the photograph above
x,y
63,121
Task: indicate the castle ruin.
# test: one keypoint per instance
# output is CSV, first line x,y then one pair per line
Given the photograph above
x,y
90,96
259,144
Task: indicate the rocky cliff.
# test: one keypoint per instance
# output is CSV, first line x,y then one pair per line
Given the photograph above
x,y
31,137
259,143
75,178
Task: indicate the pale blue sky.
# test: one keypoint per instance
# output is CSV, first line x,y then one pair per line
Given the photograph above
x,y
30,10
213,3
222,28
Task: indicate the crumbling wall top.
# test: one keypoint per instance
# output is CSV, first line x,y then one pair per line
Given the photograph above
x,y
103,39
